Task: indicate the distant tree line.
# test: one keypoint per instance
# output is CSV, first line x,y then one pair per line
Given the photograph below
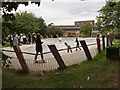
x,y
27,22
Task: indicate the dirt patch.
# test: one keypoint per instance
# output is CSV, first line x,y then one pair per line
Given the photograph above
x,y
30,75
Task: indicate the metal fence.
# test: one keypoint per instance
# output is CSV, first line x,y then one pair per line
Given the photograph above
x,y
50,63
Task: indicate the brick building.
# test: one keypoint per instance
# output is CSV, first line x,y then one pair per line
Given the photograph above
x,y
73,30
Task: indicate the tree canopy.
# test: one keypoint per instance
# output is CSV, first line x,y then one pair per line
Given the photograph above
x,y
24,22
109,17
52,30
27,22
86,29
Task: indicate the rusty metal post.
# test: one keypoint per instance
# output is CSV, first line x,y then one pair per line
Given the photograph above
x,y
98,44
57,56
103,41
21,58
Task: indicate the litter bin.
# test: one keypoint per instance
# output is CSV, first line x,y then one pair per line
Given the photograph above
x,y
112,53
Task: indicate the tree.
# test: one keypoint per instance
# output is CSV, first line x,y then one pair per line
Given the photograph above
x,y
8,17
86,29
51,24
52,30
109,17
25,22
42,26
7,27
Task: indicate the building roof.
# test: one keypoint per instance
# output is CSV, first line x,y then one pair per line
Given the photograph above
x,y
71,29
85,21
64,25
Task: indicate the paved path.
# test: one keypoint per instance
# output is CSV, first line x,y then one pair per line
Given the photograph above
x,y
69,58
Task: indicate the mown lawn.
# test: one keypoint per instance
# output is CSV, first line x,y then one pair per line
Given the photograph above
x,y
102,73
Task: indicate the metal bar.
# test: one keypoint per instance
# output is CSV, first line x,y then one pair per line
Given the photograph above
x,y
46,52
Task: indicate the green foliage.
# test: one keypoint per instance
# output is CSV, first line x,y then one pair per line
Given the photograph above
x,y
24,22
109,17
7,18
103,74
7,44
51,24
27,22
86,29
94,34
42,26
7,27
116,43
52,30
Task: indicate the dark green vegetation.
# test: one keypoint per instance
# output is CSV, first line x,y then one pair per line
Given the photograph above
x,y
103,74
52,30
116,43
109,18
24,22
86,29
27,22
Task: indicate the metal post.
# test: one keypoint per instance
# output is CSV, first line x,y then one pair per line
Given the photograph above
x,y
84,45
21,58
98,44
57,56
103,41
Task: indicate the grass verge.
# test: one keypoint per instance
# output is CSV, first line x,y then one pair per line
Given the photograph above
x,y
101,73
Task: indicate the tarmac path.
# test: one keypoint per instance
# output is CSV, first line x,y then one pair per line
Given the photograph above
x,y
69,58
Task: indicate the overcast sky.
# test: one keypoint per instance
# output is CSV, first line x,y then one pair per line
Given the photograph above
x,y
65,12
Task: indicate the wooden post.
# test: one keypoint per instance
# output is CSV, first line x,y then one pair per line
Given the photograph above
x,y
57,56
84,45
107,38
103,41
21,58
98,44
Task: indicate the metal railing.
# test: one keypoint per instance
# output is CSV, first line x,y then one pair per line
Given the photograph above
x,y
46,52
50,63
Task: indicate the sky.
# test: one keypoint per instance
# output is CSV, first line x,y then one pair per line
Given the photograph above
x,y
64,12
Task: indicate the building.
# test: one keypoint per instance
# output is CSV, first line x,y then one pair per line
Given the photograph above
x,y
73,30
80,23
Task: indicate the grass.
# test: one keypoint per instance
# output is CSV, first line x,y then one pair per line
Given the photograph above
x,y
103,73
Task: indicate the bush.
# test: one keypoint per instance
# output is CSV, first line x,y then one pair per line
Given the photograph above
x,y
117,36
94,34
7,44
